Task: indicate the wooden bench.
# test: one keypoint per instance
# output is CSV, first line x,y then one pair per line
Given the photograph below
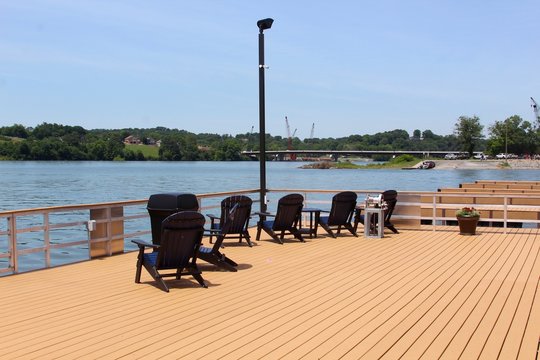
x,y
522,207
489,191
525,182
499,186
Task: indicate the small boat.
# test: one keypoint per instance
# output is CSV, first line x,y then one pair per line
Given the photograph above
x,y
426,164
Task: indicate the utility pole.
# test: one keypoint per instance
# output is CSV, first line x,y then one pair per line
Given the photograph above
x,y
506,140
534,106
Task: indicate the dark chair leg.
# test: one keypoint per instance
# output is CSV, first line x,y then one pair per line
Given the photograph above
x,y
278,238
297,234
351,229
226,263
219,260
159,280
274,236
259,227
328,230
139,265
199,278
229,261
248,239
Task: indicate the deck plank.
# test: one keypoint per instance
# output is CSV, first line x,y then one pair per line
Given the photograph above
x,y
433,291
516,310
450,323
413,294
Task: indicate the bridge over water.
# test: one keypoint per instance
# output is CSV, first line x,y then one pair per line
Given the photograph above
x,y
335,154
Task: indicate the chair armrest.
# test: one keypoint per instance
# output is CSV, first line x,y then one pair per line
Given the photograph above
x,y
263,214
143,244
211,232
325,211
212,216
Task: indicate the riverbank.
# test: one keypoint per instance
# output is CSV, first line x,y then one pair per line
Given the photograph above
x,y
517,164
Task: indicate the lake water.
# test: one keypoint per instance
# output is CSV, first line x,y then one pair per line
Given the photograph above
x,y
27,185
35,184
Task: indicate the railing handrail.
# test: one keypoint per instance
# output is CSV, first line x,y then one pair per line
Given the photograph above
x,y
44,226
59,208
417,200
413,192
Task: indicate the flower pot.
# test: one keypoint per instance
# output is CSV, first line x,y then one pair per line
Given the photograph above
x,y
467,224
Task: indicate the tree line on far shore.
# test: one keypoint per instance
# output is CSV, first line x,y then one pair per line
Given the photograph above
x,y
62,142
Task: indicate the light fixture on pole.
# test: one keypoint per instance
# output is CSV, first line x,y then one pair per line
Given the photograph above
x,y
262,25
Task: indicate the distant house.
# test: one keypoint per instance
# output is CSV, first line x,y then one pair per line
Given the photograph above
x,y
132,140
150,141
203,148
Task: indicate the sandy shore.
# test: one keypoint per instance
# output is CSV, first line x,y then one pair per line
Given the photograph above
x,y
486,164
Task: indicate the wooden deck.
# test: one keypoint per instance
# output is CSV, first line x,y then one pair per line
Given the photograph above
x,y
417,294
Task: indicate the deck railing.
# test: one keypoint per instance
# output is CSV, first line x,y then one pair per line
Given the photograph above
x,y
40,238
44,237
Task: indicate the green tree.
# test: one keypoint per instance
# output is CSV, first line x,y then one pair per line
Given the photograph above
x,y
170,149
229,150
468,131
16,130
513,135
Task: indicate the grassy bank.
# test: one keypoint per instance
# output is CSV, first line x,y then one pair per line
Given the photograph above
x,y
398,162
149,151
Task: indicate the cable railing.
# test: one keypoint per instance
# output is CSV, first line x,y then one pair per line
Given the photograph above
x,y
45,237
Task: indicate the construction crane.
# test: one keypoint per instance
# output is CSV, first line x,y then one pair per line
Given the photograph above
x,y
249,138
534,105
289,138
312,131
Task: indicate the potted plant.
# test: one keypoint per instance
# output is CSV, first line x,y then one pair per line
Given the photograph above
x,y
467,220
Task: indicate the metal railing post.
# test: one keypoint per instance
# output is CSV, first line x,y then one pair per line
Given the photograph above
x,y
434,212
47,240
505,213
13,254
108,246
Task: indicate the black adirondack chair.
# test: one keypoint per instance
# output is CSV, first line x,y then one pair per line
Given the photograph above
x,y
340,214
181,236
213,254
285,221
390,197
238,226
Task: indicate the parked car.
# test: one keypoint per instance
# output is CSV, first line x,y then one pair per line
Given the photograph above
x,y
450,156
501,156
480,156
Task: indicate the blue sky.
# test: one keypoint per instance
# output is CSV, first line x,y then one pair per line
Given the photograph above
x,y
350,67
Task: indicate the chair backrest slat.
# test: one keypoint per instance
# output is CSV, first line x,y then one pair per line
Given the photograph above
x,y
390,197
289,210
234,222
180,239
343,206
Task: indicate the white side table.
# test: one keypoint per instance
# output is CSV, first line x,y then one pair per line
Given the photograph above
x,y
373,228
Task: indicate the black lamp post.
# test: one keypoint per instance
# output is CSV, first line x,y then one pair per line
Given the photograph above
x,y
262,25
